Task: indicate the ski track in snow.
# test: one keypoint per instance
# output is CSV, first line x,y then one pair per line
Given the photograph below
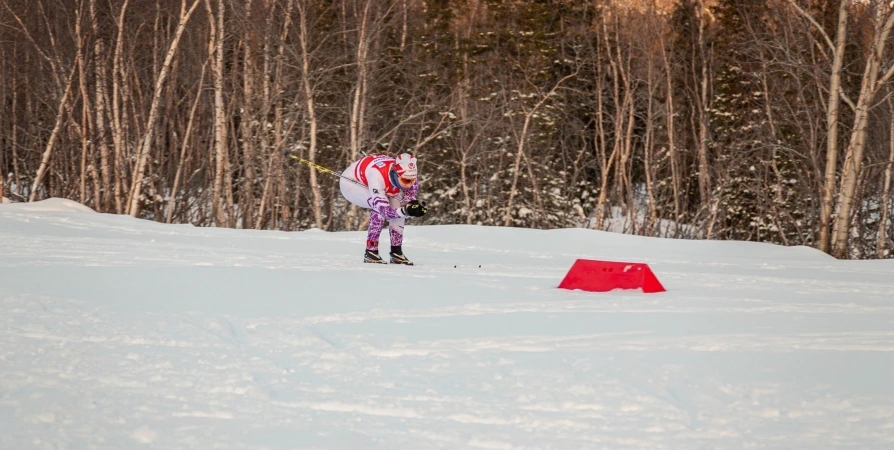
x,y
121,333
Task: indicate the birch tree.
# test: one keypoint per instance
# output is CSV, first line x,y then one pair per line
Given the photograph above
x,y
879,69
885,201
54,135
216,48
146,143
836,48
701,75
307,84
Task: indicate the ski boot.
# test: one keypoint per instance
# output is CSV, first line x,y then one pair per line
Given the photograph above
x,y
372,257
399,258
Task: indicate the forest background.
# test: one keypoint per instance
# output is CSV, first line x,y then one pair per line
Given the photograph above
x,y
760,120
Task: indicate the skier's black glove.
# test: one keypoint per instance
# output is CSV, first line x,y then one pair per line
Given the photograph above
x,y
415,209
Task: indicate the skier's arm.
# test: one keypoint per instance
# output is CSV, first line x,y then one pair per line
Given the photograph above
x,y
410,193
381,206
377,200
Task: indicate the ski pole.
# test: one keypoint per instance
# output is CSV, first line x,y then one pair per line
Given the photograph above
x,y
326,170
323,169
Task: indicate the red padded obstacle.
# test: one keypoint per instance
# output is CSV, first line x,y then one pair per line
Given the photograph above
x,y
601,276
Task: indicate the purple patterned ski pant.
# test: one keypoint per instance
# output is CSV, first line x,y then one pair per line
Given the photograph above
x,y
360,195
376,222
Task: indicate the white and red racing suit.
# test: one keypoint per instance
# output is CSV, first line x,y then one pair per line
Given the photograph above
x,y
382,197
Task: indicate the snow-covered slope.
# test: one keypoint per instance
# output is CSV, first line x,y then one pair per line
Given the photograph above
x,y
121,333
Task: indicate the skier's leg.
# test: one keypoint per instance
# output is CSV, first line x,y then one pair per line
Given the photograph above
x,y
396,231
359,196
376,221
396,228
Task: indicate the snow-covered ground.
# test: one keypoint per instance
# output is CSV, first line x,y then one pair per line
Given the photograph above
x,y
118,333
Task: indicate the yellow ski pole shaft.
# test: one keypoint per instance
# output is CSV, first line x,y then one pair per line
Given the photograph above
x,y
326,170
322,169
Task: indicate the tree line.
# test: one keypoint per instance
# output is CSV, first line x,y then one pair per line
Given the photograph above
x,y
760,120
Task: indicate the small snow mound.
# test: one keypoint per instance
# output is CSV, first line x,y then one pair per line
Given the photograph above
x,y
5,200
810,252
49,205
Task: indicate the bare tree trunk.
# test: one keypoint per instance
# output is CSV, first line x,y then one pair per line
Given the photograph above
x,y
100,135
832,137
834,240
5,114
625,167
671,136
851,172
60,114
274,173
520,149
618,122
648,150
538,199
403,30
281,200
3,154
358,105
624,128
704,176
463,176
265,144
117,127
604,163
146,145
155,36
220,126
311,115
854,157
777,216
671,127
462,101
282,208
15,137
266,107
55,64
82,183
230,212
85,107
885,202
247,202
184,145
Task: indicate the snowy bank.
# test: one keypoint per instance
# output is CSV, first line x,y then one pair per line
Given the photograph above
x,y
124,333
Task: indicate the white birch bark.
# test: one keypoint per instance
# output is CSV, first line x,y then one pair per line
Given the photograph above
x,y
851,169
51,143
306,76
146,144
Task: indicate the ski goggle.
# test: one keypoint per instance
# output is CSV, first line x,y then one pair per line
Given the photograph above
x,y
405,183
401,181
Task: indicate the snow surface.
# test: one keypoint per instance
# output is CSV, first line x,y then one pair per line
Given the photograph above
x,y
119,333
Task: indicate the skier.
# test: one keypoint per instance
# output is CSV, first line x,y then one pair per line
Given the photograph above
x,y
390,193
